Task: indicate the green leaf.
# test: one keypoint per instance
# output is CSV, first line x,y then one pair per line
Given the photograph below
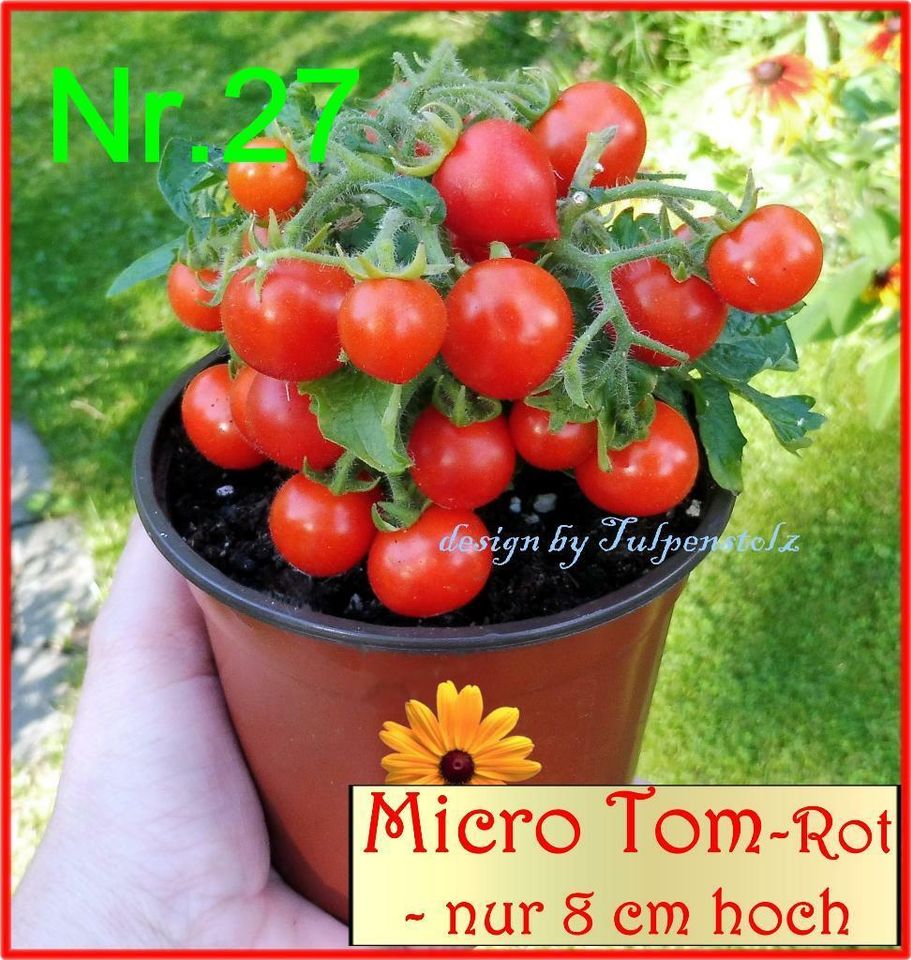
x,y
719,432
363,415
882,377
743,350
630,230
417,198
156,263
179,177
872,238
791,418
299,113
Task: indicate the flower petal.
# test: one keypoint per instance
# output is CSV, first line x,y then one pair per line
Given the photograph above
x,y
405,761
508,748
404,741
406,778
513,772
425,725
477,781
496,725
447,697
468,711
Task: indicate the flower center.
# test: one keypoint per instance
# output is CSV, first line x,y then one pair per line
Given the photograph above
x,y
768,72
457,767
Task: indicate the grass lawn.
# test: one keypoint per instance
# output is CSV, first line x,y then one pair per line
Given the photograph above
x,y
779,667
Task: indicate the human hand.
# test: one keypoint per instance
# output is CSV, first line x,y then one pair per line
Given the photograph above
x,y
157,839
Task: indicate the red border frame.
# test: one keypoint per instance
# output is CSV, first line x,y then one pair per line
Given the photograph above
x,y
8,8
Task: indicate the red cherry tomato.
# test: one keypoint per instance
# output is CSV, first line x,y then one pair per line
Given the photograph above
x,y
472,252
281,425
190,300
261,187
290,331
240,388
649,476
589,108
319,532
510,325
391,329
461,467
769,262
498,184
687,316
562,450
206,413
414,575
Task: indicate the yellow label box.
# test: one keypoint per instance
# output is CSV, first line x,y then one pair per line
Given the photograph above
x,y
617,866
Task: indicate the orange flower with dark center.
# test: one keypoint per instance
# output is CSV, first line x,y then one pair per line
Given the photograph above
x,y
885,287
778,83
456,746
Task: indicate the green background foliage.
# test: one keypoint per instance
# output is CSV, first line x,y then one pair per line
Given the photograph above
x,y
780,668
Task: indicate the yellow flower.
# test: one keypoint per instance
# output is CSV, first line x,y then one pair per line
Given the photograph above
x,y
455,746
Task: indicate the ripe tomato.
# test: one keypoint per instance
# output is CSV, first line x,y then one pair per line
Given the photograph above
x,y
461,467
319,532
769,262
190,300
206,413
472,252
240,388
510,325
649,476
562,450
589,108
391,328
498,185
687,316
412,574
281,425
290,332
261,187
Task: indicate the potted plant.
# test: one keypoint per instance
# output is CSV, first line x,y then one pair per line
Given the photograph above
x,y
471,429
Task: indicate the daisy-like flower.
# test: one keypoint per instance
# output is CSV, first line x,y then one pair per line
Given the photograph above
x,y
779,83
886,288
456,746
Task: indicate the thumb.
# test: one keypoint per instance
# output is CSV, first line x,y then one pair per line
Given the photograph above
x,y
150,627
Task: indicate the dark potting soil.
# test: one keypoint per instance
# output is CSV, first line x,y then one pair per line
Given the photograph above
x,y
222,514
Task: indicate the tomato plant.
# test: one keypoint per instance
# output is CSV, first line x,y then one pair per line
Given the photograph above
x,y
498,184
587,108
190,299
260,187
648,476
769,262
687,315
548,449
289,328
391,329
280,424
469,242
461,467
318,531
510,325
413,575
205,410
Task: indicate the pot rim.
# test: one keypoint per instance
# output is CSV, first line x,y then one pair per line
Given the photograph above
x,y
418,639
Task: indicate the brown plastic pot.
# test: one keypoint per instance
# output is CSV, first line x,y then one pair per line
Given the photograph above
x,y
308,693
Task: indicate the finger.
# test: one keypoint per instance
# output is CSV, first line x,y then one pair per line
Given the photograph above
x,y
150,621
